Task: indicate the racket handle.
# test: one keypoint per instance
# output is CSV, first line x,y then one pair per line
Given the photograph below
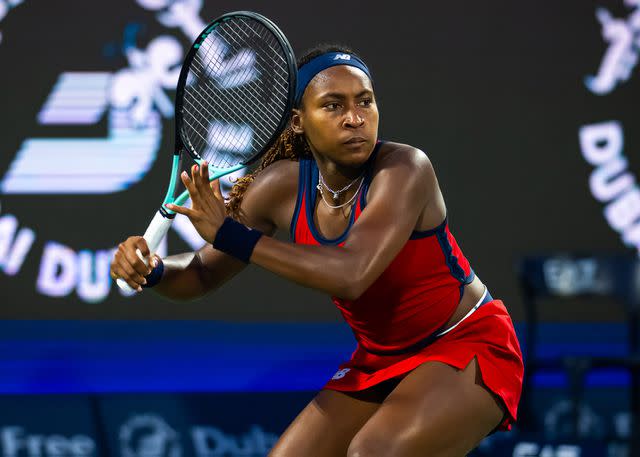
x,y
154,235
156,231
122,284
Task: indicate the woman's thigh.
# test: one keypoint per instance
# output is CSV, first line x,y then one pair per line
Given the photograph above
x,y
436,410
326,426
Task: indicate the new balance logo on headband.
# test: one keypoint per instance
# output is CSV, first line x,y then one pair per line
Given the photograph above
x,y
330,59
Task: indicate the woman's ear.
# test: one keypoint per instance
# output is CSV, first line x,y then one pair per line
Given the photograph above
x,y
296,122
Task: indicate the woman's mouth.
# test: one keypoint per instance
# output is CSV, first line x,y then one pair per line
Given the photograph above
x,y
356,140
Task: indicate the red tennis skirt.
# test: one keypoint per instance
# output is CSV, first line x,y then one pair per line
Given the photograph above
x,y
487,334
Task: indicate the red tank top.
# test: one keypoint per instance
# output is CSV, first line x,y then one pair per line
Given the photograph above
x,y
417,293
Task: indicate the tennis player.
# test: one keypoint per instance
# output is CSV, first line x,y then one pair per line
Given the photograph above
x,y
437,366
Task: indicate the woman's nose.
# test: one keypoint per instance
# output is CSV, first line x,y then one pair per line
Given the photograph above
x,y
353,119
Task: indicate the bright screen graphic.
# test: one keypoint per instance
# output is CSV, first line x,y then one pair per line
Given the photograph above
x,y
526,111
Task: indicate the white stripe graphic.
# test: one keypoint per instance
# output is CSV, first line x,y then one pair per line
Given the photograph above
x,y
76,98
83,165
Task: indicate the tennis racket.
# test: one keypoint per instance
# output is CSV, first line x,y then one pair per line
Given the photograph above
x,y
234,97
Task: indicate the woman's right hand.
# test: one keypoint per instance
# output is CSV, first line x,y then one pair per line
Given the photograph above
x,y
128,264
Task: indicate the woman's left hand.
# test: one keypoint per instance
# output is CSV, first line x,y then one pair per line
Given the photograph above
x,y
207,210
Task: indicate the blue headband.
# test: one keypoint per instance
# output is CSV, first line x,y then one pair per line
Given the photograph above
x,y
322,62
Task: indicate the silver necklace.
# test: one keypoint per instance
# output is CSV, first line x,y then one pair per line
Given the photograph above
x,y
345,203
335,193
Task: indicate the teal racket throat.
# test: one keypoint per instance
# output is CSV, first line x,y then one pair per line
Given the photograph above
x,y
234,97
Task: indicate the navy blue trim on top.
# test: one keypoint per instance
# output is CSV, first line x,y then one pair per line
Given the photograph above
x,y
309,178
311,184
451,260
296,211
471,277
416,234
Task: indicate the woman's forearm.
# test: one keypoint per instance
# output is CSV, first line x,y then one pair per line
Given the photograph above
x,y
191,275
332,270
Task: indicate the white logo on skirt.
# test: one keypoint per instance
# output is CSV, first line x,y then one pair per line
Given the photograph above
x,y
340,374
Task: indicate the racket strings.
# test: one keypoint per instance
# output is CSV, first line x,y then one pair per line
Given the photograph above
x,y
211,91
228,108
228,113
256,116
275,52
236,92
257,101
216,140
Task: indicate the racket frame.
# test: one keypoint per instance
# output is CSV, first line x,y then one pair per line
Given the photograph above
x,y
163,218
182,143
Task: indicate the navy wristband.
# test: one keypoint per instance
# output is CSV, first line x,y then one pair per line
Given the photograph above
x,y
154,277
236,239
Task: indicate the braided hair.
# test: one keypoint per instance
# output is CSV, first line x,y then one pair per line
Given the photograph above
x,y
289,144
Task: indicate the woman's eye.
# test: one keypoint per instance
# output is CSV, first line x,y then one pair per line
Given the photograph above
x,y
366,102
331,106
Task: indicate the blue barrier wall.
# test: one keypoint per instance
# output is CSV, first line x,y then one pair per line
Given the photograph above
x,y
195,356
209,389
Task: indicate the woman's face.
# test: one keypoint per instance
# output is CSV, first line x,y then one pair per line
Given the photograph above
x,y
339,115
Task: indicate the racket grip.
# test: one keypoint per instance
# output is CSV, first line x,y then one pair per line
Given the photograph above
x,y
156,231
122,284
154,235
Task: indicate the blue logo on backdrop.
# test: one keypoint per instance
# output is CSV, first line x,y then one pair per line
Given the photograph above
x,y
602,143
5,7
132,102
148,435
27,428
198,425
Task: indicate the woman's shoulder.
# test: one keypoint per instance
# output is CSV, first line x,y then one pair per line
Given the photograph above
x,y
274,182
271,195
282,174
408,170
392,154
